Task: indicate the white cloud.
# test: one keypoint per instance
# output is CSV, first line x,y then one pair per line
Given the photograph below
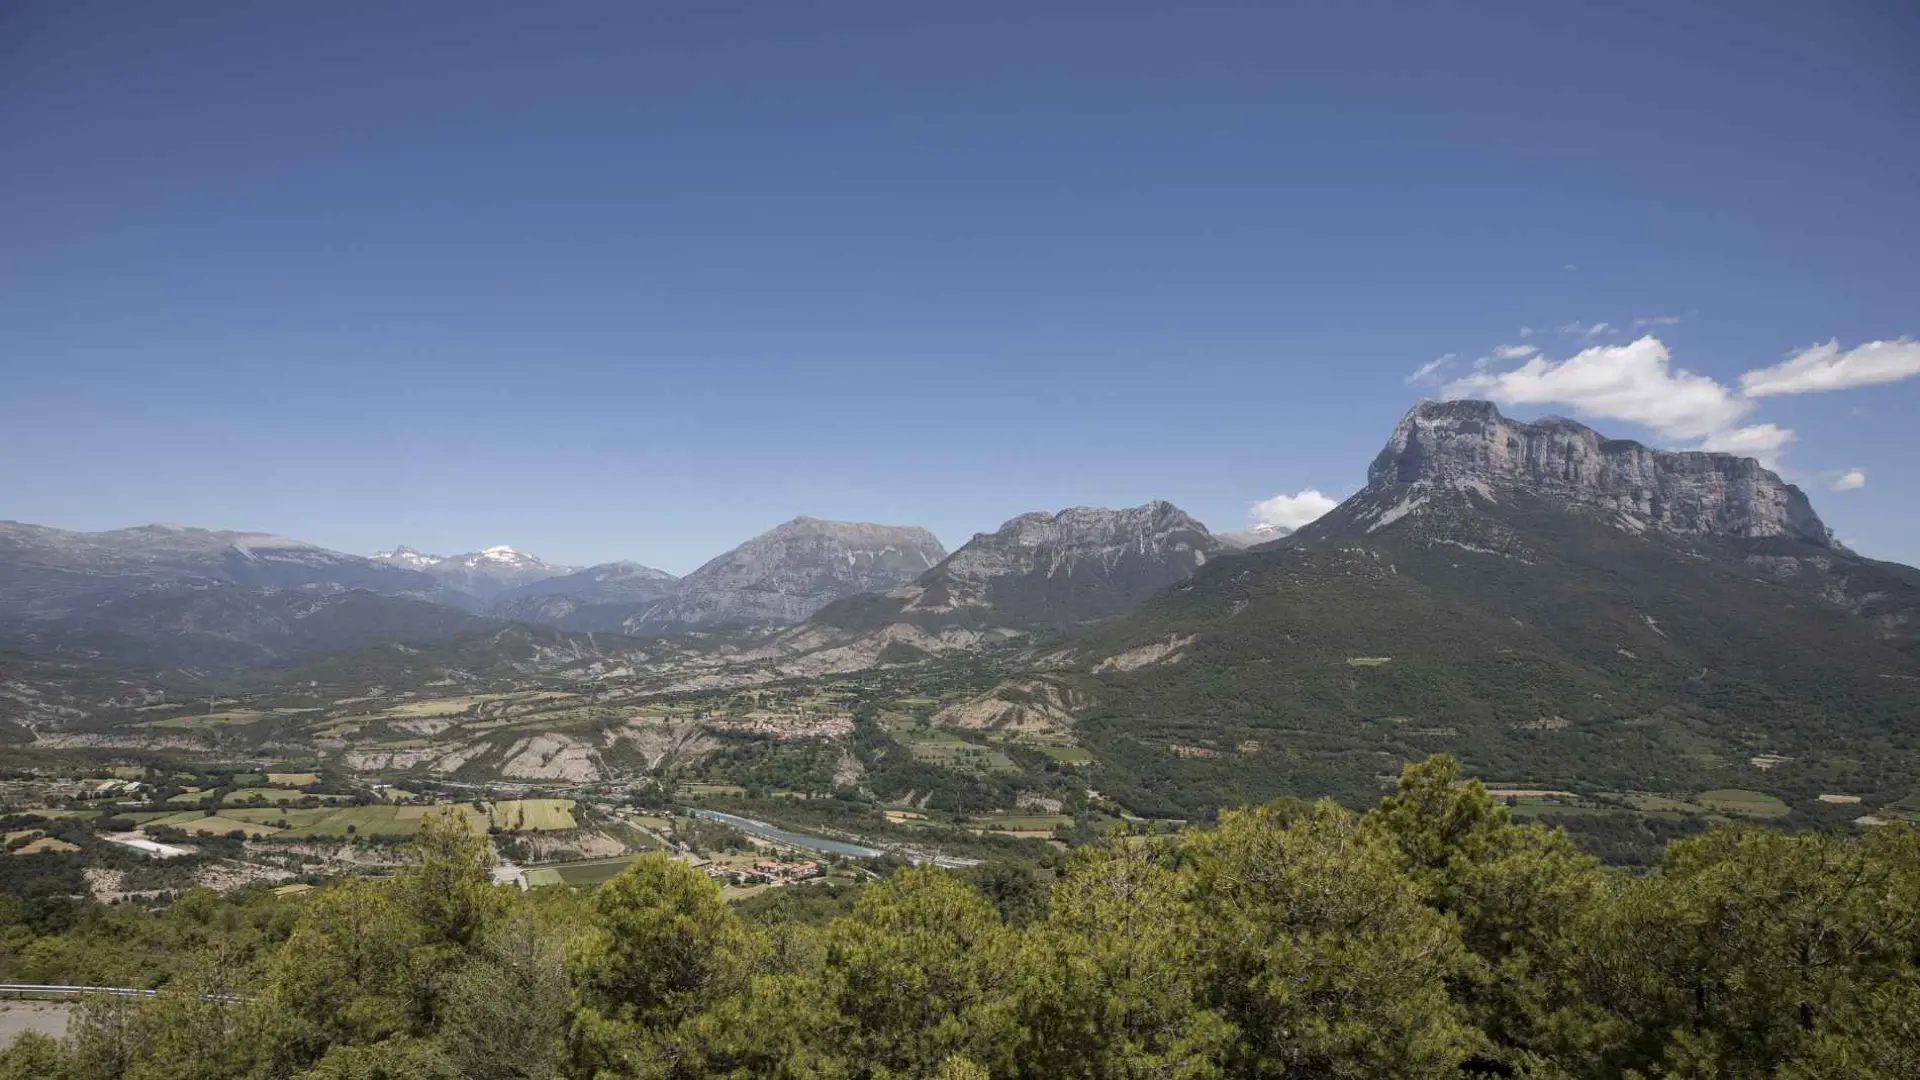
x,y
1424,373
1851,480
1656,320
1572,267
1526,331
1514,352
1762,441
1292,511
1580,329
1826,367
1635,382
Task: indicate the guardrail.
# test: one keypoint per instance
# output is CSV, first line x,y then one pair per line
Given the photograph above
x,y
75,991
24,989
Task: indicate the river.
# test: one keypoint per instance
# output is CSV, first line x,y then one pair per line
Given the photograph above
x,y
815,843
767,832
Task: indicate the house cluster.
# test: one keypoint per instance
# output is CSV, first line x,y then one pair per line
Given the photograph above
x,y
764,871
781,872
107,789
786,725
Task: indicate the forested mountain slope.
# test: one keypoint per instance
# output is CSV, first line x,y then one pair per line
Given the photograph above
x,y
1544,634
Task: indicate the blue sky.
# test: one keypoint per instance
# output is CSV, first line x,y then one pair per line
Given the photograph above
x,y
636,280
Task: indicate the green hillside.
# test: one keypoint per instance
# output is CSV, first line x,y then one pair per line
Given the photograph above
x,y
1536,644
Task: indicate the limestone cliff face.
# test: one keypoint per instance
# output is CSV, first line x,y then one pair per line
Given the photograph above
x,y
1469,445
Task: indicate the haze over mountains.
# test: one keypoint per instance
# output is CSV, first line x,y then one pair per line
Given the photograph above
x,y
1454,467
483,574
1545,602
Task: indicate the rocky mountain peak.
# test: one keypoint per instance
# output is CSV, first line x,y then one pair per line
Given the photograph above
x,y
408,557
1080,563
859,534
1080,527
557,597
1468,445
793,570
486,574
1253,536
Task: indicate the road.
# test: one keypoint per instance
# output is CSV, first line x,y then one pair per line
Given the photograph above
x,y
832,847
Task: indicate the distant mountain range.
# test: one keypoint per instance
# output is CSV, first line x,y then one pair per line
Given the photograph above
x,y
49,572
1455,479
775,579
483,575
199,599
1555,607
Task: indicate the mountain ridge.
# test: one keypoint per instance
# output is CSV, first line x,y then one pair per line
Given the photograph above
x,y
1470,445
1540,601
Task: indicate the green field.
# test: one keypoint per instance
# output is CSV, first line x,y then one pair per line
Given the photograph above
x,y
363,820
1066,755
1651,803
1742,802
1022,822
141,817
215,825
452,706
533,815
1530,810
578,874
277,796
949,752
297,817
293,779
242,716
695,791
190,797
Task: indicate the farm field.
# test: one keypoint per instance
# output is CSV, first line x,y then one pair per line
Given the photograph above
x,y
44,844
533,815
1648,802
1022,822
278,796
537,815
1065,755
215,825
578,874
1742,802
241,716
293,779
950,752
450,706
695,791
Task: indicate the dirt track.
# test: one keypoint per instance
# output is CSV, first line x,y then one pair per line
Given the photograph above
x,y
49,1017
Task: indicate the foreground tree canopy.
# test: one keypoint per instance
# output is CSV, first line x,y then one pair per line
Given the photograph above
x,y
1431,937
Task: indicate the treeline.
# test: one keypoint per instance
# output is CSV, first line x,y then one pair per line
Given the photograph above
x,y
1431,937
